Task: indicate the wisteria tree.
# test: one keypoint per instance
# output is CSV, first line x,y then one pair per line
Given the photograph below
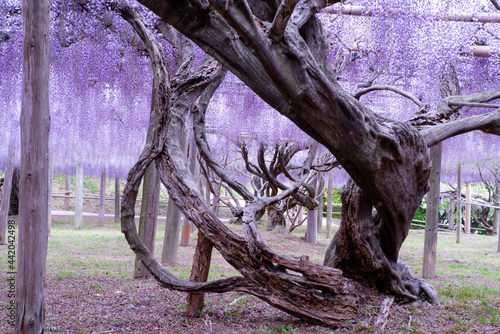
x,y
280,52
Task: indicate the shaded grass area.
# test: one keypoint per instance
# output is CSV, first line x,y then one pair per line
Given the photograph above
x,y
93,267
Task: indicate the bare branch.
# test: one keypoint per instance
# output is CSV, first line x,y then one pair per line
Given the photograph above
x,y
473,104
413,98
495,3
201,140
280,21
488,123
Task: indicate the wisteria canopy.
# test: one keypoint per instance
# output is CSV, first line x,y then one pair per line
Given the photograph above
x,y
100,78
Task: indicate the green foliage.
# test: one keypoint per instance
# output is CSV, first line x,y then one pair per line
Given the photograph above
x,y
282,328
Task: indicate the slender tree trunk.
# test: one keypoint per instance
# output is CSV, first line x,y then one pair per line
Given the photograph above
x,y
149,214
102,199
67,191
459,203
7,187
51,186
329,205
321,201
117,200
432,214
79,196
35,129
467,208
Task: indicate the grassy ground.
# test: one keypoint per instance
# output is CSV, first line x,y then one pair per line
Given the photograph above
x,y
90,289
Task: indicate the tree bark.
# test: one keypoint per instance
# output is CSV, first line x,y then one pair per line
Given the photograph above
x,y
275,217
5,200
149,214
432,214
359,251
35,128
102,199
79,196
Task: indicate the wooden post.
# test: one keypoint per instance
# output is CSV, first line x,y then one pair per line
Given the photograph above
x,y
171,237
102,199
34,187
199,273
79,196
329,204
467,208
51,186
66,191
117,200
432,214
451,212
459,203
186,223
321,201
186,232
149,214
7,188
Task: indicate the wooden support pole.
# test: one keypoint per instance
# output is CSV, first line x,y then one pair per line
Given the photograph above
x,y
173,222
199,273
79,196
459,203
467,208
321,200
432,214
193,162
34,187
149,214
102,199
329,204
7,189
67,191
451,212
117,200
